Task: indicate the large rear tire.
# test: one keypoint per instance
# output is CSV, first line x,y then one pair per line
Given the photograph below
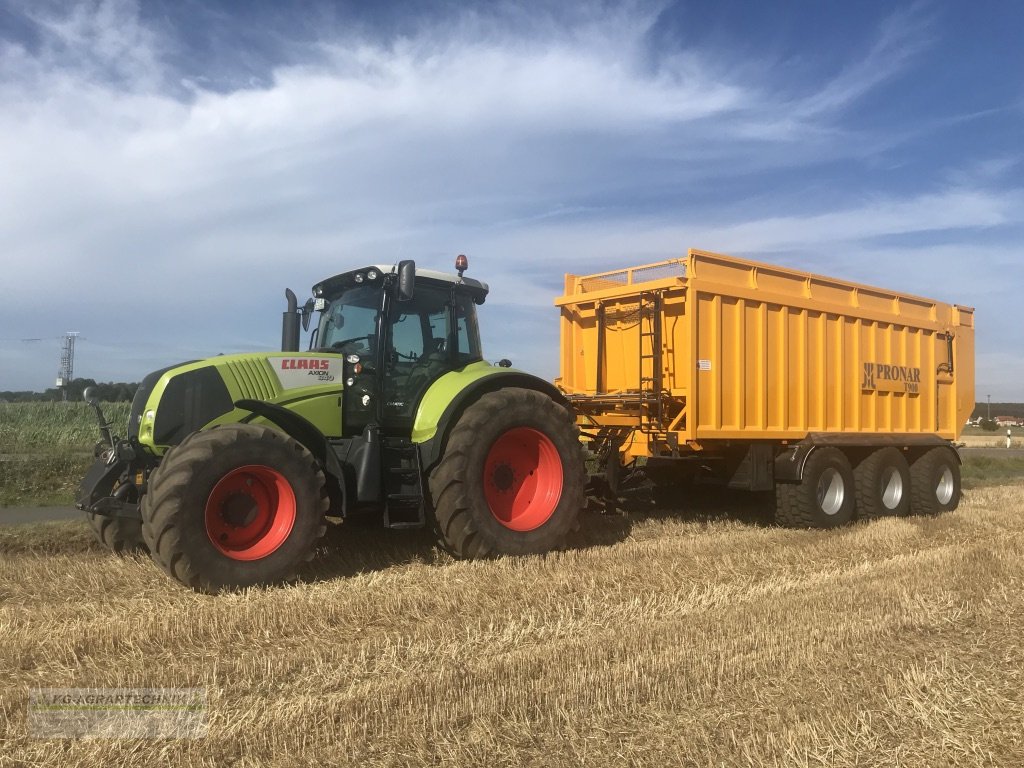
x,y
935,482
511,479
825,497
234,506
883,484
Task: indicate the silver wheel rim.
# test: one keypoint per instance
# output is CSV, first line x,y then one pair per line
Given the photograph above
x,y
892,488
944,490
831,491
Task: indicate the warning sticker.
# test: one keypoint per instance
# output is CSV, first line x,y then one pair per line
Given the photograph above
x,y
703,365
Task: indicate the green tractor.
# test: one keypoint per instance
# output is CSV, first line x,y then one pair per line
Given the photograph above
x,y
232,466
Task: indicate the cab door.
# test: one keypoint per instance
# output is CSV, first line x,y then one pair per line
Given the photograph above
x,y
418,350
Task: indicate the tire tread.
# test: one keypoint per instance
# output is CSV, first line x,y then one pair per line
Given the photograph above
x,y
455,520
163,505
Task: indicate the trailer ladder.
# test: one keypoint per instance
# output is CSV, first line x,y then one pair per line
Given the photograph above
x,y
652,395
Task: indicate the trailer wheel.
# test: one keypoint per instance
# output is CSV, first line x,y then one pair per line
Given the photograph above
x,y
883,484
511,479
234,506
121,535
825,496
935,482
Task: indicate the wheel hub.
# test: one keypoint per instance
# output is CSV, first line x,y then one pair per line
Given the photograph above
x,y
239,510
503,478
831,492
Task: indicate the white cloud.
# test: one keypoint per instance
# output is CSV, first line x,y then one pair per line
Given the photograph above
x,y
172,215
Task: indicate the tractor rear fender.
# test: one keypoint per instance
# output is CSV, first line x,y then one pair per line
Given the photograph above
x,y
441,405
303,430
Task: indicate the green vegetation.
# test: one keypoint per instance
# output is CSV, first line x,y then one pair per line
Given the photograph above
x,y
991,470
45,449
108,392
55,427
982,410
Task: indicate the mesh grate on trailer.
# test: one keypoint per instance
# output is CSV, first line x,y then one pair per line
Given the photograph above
x,y
636,275
659,272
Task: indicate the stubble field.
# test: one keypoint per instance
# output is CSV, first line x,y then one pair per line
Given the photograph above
x,y
699,635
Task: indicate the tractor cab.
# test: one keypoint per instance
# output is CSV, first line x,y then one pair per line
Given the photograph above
x,y
399,330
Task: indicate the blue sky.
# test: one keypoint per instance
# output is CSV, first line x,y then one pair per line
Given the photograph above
x,y
167,168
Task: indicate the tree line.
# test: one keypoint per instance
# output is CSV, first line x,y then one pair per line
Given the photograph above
x,y
108,392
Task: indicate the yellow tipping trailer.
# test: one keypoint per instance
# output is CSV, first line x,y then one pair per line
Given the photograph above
x,y
843,396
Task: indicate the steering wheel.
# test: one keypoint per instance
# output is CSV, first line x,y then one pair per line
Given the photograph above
x,y
343,342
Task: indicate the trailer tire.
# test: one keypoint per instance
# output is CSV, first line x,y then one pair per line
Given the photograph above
x,y
511,478
121,535
935,482
882,482
235,506
825,498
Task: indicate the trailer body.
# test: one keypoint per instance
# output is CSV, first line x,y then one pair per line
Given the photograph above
x,y
711,354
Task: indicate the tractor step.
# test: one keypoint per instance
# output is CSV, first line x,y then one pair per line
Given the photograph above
x,y
403,491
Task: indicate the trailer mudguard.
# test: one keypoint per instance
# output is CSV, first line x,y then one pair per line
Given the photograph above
x,y
789,464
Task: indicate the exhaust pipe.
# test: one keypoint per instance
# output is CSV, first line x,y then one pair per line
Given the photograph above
x,y
290,324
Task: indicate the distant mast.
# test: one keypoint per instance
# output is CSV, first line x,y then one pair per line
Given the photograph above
x,y
66,373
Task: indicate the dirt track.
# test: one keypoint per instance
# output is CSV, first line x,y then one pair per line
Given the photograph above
x,y
25,515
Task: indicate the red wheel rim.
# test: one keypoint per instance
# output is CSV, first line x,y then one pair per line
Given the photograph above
x,y
523,479
250,512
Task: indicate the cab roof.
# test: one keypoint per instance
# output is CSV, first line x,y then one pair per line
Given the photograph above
x,y
338,282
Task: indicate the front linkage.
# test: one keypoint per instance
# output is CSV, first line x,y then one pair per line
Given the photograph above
x,y
116,480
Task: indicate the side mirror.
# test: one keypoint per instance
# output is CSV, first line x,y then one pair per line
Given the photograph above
x,y
406,279
89,395
307,312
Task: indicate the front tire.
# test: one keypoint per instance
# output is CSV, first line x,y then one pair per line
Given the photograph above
x,y
121,535
234,506
825,496
511,479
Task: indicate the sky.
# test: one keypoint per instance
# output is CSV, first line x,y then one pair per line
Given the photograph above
x,y
168,167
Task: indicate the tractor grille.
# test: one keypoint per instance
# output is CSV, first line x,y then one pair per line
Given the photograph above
x,y
252,378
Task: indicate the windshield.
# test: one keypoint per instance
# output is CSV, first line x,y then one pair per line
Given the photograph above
x,y
349,323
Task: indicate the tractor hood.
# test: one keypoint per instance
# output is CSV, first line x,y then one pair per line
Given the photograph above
x,y
174,402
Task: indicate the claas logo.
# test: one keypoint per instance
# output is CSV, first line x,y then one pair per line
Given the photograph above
x,y
304,364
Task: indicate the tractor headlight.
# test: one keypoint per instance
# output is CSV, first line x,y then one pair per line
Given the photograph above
x,y
372,274
146,425
359,277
